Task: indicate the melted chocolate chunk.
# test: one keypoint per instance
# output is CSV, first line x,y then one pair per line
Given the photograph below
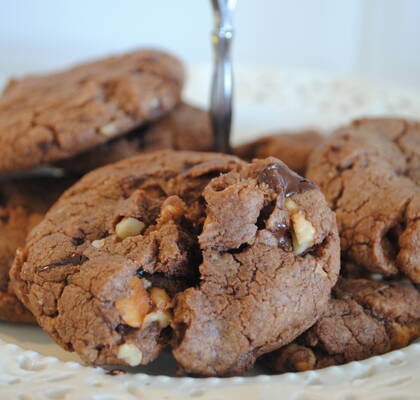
x,y
141,273
77,241
282,234
123,329
73,259
282,179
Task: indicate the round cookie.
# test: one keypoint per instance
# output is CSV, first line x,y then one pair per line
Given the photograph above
x,y
23,204
106,272
369,173
100,271
292,148
364,318
53,117
185,128
270,252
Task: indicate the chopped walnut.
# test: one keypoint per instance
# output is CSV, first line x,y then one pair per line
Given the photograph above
x,y
130,353
134,307
172,208
163,318
303,232
109,130
160,298
129,226
98,244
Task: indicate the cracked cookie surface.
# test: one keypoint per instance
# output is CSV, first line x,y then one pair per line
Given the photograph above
x,y
270,253
185,128
292,148
222,259
23,204
369,173
53,117
101,270
364,318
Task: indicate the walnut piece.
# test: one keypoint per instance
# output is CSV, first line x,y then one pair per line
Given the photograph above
x,y
160,298
98,244
303,232
172,208
129,226
130,353
161,314
163,318
134,308
109,130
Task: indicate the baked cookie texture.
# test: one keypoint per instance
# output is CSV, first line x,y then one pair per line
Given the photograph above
x,y
23,204
270,258
185,128
292,148
221,259
368,172
101,270
363,319
48,118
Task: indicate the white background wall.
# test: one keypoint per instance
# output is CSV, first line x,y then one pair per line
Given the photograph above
x,y
375,39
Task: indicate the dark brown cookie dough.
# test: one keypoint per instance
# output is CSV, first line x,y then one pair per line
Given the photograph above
x,y
100,271
368,172
185,128
105,273
23,204
270,258
53,117
292,148
364,318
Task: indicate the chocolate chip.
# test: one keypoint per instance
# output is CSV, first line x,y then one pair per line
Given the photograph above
x,y
77,241
141,273
4,216
283,236
116,372
123,329
280,178
73,260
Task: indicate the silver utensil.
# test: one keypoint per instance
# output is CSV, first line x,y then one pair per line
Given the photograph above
x,y
222,81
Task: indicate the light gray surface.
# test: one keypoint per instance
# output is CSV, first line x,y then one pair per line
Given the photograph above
x,y
376,39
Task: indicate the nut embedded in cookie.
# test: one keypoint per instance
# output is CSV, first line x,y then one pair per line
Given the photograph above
x,y
368,172
364,318
129,226
255,293
108,294
189,249
57,116
302,231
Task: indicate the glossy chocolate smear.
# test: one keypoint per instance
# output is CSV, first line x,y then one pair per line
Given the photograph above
x,y
283,180
282,234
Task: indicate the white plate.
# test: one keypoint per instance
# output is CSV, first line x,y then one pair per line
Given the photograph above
x,y
33,367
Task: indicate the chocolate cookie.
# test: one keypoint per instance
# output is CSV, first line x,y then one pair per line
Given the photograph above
x,y
100,271
23,204
185,128
364,318
107,270
270,253
368,172
292,148
53,117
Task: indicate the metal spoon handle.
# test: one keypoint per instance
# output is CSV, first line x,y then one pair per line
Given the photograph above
x,y
222,81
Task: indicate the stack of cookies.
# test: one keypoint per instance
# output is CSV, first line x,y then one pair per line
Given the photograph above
x,y
147,241
369,173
